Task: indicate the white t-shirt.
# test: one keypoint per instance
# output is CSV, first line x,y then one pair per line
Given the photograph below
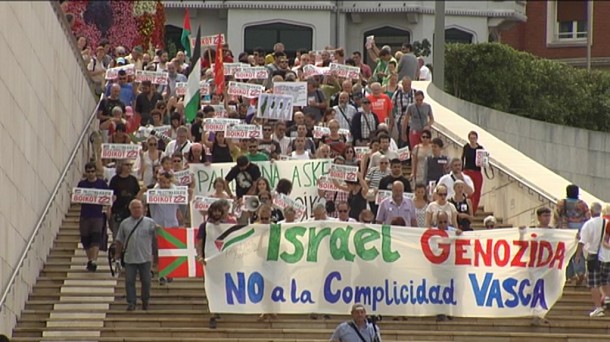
x,y
435,209
425,74
590,235
448,181
295,156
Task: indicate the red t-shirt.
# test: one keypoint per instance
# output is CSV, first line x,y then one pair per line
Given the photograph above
x,y
381,106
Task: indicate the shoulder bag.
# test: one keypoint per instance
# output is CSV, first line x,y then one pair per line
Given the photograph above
x,y
593,263
127,241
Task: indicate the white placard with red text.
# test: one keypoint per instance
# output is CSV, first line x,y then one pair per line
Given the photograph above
x,y
345,71
113,73
120,151
245,89
259,73
320,131
204,202
92,196
218,124
282,201
383,194
155,77
178,195
327,184
183,177
361,151
243,131
403,153
209,40
343,172
312,70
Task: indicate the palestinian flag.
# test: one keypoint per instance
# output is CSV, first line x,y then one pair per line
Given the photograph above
x,y
185,39
232,236
177,253
192,97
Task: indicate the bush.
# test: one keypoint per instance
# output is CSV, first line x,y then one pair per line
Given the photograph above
x,y
497,76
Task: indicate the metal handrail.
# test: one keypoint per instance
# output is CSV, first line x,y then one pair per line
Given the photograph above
x,y
27,248
497,165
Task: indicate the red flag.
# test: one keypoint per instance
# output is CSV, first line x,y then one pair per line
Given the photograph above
x,y
219,71
177,254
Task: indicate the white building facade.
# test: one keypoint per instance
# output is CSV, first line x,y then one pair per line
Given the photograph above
x,y
314,25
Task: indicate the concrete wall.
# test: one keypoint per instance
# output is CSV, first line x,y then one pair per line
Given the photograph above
x,y
46,101
579,155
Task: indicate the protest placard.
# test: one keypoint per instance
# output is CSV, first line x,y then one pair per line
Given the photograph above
x,y
383,194
345,71
245,89
178,195
155,77
326,267
327,184
260,73
361,151
320,131
183,177
282,201
298,90
243,131
204,202
344,172
274,106
403,153
218,124
209,40
113,73
312,70
92,196
120,151
481,158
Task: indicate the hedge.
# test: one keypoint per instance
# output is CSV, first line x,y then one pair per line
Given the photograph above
x,y
498,76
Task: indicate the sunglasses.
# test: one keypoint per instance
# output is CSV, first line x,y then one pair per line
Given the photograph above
x,y
90,171
342,211
442,194
177,161
267,129
425,137
152,144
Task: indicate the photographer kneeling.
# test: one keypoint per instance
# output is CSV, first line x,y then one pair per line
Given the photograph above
x,y
360,329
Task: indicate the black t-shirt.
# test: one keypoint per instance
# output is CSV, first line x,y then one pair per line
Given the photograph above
x,y
125,189
386,182
107,104
469,156
271,148
243,179
144,105
197,131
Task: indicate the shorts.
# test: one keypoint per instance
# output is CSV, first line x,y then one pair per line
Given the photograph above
x,y
91,231
601,277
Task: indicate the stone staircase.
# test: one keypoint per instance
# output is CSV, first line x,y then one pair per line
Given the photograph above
x,y
70,304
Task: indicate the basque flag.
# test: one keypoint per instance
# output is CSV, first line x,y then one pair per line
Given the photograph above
x,y
177,253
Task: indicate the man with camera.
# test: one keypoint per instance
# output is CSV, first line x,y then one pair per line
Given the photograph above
x,y
359,329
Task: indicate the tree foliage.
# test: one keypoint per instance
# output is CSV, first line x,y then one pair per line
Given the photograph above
x,y
497,76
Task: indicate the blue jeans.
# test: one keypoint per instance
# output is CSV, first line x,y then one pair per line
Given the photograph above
x,y
130,282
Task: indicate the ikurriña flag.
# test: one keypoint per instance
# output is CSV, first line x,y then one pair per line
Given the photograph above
x,y
177,253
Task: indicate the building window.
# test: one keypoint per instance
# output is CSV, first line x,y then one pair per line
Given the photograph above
x,y
454,35
386,36
294,37
567,21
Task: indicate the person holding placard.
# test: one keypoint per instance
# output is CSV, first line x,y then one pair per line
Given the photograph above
x,y
471,168
126,188
396,206
357,192
92,222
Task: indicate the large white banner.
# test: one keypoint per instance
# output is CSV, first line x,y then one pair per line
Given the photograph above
x,y
302,174
325,267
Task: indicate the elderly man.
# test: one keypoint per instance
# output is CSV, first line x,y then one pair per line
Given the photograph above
x,y
359,329
344,111
134,240
592,235
455,174
397,206
179,145
401,100
381,104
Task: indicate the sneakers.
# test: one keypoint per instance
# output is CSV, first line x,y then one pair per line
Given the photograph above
x,y
598,312
607,302
131,307
91,266
213,323
162,281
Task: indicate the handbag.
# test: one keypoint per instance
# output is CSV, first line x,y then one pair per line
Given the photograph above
x,y
593,263
127,242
